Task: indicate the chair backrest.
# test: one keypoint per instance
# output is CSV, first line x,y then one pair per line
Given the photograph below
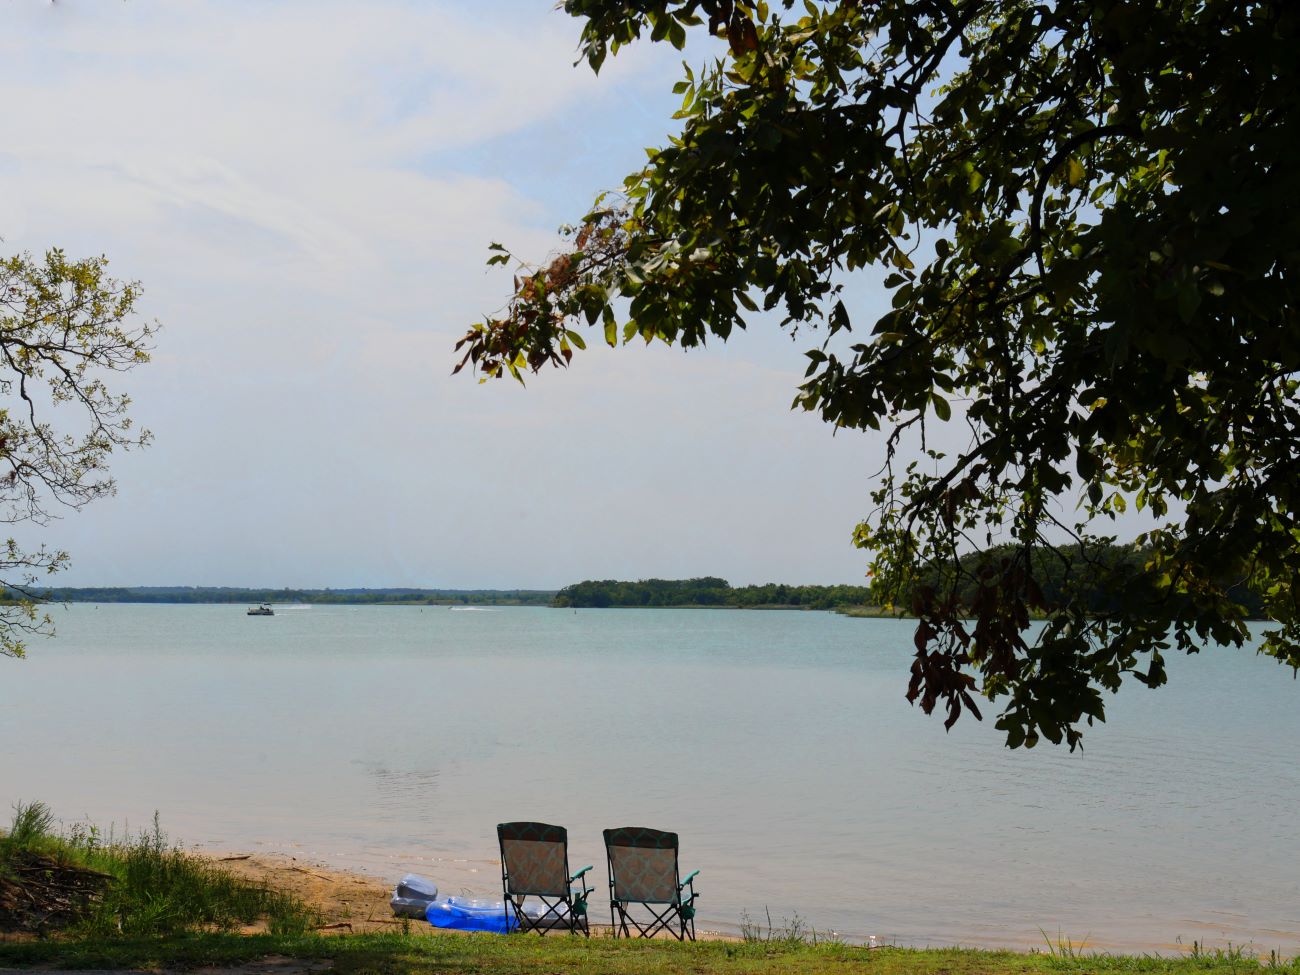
x,y
534,858
642,864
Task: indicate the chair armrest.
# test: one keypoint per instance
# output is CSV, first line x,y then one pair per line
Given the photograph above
x,y
585,888
688,882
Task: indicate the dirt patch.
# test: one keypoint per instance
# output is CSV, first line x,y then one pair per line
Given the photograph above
x,y
40,893
346,902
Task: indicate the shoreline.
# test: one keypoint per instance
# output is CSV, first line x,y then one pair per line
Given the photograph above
x,y
356,901
345,903
350,902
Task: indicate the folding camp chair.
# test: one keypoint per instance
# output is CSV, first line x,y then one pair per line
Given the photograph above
x,y
643,871
535,863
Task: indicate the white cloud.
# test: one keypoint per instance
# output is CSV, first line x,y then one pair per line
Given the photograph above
x,y
305,190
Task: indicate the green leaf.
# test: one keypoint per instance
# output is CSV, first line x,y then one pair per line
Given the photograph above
x,y
1076,218
1085,463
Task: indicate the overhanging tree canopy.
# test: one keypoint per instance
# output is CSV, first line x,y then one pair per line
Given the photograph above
x,y
64,326
1087,214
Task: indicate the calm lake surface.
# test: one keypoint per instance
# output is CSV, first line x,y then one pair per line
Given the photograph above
x,y
778,745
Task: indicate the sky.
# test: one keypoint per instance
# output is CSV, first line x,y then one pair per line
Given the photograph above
x,y
306,190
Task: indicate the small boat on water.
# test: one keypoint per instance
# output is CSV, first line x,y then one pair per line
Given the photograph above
x,y
263,610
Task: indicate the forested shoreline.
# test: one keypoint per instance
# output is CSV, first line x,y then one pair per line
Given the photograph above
x,y
234,594
1101,577
706,592
1062,574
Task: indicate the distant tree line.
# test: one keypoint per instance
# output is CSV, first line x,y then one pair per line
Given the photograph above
x,y
1068,574
1062,574
224,594
706,591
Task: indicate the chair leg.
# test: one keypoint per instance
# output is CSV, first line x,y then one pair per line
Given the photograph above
x,y
669,920
577,924
546,919
621,925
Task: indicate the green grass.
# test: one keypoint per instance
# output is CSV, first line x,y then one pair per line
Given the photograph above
x,y
483,954
155,888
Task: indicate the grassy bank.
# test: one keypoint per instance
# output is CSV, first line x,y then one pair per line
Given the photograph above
x,y
406,954
87,886
141,903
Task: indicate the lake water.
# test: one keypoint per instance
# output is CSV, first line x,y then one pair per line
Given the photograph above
x,y
779,745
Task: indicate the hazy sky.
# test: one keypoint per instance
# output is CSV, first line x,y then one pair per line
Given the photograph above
x,y
307,189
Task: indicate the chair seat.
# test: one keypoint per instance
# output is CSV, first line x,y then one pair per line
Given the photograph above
x,y
649,900
537,892
574,894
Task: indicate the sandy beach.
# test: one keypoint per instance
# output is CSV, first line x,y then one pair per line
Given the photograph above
x,y
347,902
